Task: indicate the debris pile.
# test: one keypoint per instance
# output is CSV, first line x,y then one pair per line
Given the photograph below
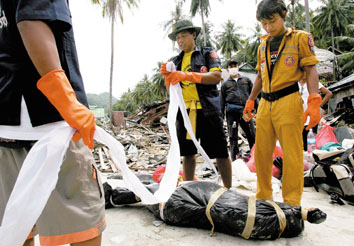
x,y
150,114
145,148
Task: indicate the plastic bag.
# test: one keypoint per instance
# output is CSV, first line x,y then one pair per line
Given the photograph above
x,y
160,171
325,135
278,152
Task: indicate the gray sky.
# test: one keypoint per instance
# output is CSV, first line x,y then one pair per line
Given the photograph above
x,y
141,41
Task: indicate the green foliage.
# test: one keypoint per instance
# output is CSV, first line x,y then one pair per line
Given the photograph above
x,y
296,16
210,41
200,6
229,40
345,43
114,8
100,100
251,43
126,103
145,92
332,20
176,15
346,63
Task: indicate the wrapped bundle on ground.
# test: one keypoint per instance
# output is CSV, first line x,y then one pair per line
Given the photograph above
x,y
207,205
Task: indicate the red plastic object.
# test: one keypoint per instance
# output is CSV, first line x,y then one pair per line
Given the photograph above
x,y
160,171
325,135
278,152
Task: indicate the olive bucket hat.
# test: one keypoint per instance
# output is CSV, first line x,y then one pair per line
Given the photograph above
x,y
182,25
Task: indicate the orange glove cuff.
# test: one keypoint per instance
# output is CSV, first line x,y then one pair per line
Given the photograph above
x,y
314,97
49,86
56,87
178,76
194,77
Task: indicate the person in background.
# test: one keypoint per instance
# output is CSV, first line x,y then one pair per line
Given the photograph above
x,y
41,89
198,72
233,96
305,94
283,56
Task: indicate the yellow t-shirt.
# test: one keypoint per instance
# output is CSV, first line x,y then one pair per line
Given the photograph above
x,y
189,89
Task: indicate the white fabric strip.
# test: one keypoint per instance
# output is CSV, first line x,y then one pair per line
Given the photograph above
x,y
39,173
176,95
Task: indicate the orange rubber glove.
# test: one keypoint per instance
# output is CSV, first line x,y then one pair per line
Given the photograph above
x,y
176,77
163,69
164,72
247,111
313,110
56,87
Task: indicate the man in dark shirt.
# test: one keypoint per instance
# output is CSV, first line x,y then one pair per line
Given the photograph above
x,y
41,89
198,72
233,97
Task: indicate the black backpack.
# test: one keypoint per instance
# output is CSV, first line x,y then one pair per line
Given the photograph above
x,y
334,174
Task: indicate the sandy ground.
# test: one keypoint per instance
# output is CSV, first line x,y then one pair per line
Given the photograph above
x,y
133,226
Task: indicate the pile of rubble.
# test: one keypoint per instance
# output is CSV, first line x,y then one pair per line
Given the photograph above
x,y
145,148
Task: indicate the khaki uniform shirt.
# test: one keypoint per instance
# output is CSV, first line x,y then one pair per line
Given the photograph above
x,y
295,52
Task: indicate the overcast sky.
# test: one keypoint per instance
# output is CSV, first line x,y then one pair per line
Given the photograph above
x,y
141,41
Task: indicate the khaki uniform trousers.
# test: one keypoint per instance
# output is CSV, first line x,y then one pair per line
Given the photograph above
x,y
281,119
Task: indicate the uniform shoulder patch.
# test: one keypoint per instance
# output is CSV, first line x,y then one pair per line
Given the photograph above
x,y
203,69
311,43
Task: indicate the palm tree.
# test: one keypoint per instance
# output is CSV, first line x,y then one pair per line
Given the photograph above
x,y
346,45
296,17
113,9
251,47
210,41
229,40
158,83
203,7
176,15
126,103
333,18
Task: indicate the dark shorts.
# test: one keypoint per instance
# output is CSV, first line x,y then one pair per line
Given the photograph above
x,y
210,133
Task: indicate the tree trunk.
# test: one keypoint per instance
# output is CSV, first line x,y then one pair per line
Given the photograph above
x,y
293,15
334,68
307,15
203,24
111,72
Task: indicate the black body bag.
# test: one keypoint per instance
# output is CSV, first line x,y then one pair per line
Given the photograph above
x,y
207,205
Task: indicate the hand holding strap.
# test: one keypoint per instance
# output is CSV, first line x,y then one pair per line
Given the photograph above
x,y
163,69
56,87
247,111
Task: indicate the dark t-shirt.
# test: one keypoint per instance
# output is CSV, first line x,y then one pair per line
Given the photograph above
x,y
18,76
274,49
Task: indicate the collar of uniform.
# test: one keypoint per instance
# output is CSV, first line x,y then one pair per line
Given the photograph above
x,y
195,49
238,77
288,32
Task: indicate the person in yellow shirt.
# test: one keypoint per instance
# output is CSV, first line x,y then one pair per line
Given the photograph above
x,y
283,56
198,71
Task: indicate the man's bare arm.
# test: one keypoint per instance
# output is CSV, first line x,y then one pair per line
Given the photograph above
x,y
40,44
